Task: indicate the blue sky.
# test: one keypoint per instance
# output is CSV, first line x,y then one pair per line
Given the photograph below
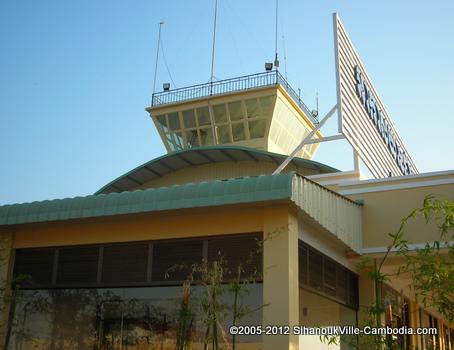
x,y
75,77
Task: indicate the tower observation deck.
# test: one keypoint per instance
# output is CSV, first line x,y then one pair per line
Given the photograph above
x,y
260,111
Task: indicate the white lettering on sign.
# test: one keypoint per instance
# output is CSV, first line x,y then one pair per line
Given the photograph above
x,y
376,116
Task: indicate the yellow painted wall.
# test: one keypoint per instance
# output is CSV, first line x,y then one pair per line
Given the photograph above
x,y
366,296
325,243
220,171
280,280
320,311
333,180
288,128
165,225
393,183
383,211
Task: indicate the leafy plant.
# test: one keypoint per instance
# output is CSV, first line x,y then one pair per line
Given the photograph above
x,y
217,281
185,318
431,269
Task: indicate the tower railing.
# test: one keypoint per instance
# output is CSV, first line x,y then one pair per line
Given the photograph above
x,y
225,86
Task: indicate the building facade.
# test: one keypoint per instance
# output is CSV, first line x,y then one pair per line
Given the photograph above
x,y
108,271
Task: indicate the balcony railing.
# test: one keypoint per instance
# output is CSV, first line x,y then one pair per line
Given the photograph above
x,y
220,87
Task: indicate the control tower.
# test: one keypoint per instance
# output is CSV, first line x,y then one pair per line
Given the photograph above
x,y
260,111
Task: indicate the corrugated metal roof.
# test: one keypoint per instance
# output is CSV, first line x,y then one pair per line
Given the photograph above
x,y
337,214
197,156
203,194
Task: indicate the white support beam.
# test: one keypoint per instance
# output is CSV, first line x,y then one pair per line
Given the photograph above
x,y
304,142
326,139
355,160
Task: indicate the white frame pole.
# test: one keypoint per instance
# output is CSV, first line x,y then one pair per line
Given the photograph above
x,y
304,142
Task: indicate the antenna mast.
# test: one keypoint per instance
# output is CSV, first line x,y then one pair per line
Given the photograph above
x,y
214,42
285,54
276,61
157,57
316,100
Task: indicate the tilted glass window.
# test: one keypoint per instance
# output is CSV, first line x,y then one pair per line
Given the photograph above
x,y
175,140
174,121
192,138
206,136
266,103
203,116
189,119
252,108
220,114
235,111
238,131
162,120
257,128
224,133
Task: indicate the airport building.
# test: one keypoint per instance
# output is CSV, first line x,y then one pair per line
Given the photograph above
x,y
237,187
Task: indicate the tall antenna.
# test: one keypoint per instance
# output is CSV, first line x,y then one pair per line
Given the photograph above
x,y
276,61
214,41
285,54
316,100
157,58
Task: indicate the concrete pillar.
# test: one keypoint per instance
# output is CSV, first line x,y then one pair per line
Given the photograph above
x,y
366,296
415,322
6,243
280,281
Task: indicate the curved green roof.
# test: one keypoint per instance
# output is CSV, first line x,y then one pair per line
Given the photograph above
x,y
171,162
193,195
323,206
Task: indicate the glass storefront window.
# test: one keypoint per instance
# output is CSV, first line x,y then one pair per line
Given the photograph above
x,y
143,318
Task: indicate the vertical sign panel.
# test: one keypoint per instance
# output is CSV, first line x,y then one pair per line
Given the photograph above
x,y
363,119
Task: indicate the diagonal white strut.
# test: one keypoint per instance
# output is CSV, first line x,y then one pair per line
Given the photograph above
x,y
303,143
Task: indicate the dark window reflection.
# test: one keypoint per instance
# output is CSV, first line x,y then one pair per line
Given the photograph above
x,y
117,318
